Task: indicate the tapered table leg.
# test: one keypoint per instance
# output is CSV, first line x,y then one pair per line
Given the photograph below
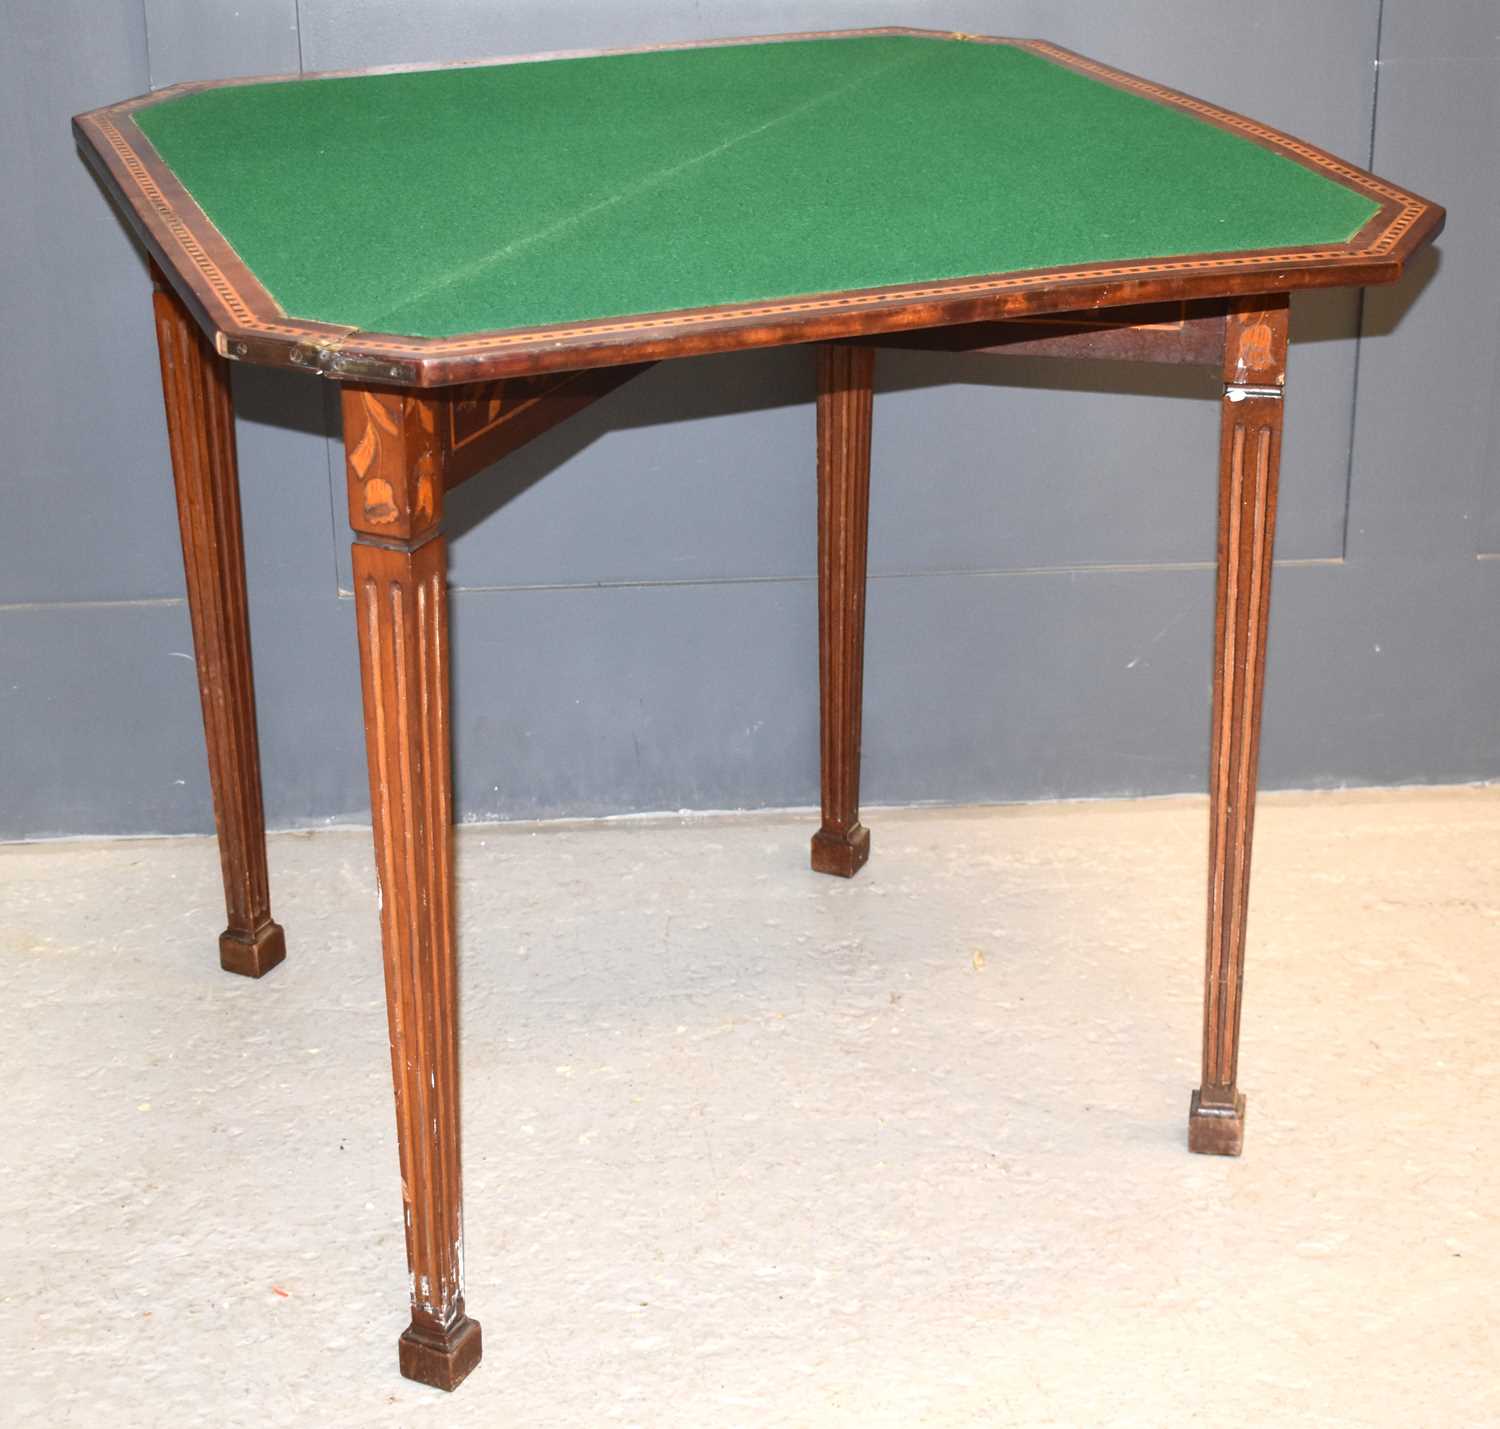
x,y
1249,458
200,431
845,409
395,459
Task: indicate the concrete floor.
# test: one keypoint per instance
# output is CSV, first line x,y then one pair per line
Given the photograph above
x,y
747,1146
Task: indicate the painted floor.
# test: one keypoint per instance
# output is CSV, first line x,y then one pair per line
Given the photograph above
x,y
746,1146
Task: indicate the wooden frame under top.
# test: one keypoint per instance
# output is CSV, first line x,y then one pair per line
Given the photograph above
x,y
244,323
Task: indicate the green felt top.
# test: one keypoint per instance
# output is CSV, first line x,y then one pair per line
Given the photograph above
x,y
447,201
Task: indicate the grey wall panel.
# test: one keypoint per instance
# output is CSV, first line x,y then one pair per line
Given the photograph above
x,y
604,730
1415,661
1457,29
994,464
1426,368
86,514
1489,519
306,663
290,523
1046,684
220,39
99,705
1382,677
311,735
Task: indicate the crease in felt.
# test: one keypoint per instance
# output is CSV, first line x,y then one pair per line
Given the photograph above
x,y
642,186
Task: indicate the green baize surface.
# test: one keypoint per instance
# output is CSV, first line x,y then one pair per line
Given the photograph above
x,y
462,200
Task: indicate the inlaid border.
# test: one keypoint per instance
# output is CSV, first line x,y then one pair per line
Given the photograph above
x,y
246,323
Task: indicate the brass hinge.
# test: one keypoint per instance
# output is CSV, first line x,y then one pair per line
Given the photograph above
x,y
332,362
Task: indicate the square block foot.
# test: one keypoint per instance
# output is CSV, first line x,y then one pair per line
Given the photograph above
x,y
442,1359
1216,1130
252,957
841,854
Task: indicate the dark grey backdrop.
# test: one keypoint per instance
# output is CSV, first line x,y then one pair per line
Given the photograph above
x,y
638,630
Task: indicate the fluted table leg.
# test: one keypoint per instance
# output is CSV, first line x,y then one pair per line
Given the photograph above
x,y
394,460
845,410
200,432
1249,460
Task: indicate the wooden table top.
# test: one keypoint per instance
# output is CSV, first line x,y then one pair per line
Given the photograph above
x,y
456,223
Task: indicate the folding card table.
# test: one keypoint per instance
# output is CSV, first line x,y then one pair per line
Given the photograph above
x,y
475,252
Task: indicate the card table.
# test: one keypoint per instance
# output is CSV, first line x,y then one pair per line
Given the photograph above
x,y
474,252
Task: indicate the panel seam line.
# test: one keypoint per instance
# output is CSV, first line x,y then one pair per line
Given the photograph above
x,y
384,322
